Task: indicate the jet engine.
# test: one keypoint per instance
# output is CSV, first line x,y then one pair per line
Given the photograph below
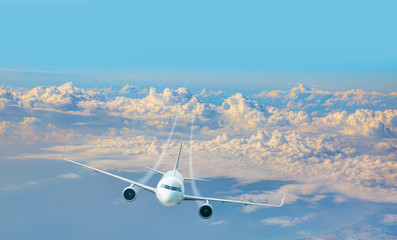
x,y
205,211
129,194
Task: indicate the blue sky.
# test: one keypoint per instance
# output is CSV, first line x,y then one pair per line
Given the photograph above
x,y
305,41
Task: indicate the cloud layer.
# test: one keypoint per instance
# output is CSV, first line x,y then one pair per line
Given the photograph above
x,y
342,143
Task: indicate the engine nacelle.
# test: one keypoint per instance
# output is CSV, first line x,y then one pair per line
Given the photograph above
x,y
129,194
205,211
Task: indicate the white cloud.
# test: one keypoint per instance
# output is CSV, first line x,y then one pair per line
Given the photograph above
x,y
208,93
312,100
287,221
218,222
64,97
361,122
126,89
390,219
327,142
241,113
69,176
339,199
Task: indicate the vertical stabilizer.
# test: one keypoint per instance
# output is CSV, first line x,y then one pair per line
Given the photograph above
x,y
179,154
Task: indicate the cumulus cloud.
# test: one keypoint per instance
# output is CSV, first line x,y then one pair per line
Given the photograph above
x,y
323,102
64,97
361,122
29,131
156,109
325,142
241,113
127,89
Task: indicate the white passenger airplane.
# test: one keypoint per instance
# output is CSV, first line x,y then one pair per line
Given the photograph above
x,y
170,189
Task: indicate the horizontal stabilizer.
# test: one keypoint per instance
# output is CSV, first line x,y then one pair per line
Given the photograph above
x,y
152,169
198,179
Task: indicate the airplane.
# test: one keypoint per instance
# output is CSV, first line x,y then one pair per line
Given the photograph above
x,y
170,190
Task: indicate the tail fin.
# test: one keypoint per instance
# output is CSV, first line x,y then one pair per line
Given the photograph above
x,y
179,154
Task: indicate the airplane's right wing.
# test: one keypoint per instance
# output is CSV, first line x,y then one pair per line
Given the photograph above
x,y
195,198
146,187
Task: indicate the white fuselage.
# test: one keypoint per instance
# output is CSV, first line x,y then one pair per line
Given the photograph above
x,y
170,189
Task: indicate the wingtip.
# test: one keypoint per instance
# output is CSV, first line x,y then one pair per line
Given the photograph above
x,y
63,155
282,201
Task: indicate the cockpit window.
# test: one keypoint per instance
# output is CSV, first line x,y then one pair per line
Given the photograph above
x,y
177,189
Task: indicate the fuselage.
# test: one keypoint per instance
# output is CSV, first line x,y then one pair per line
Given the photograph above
x,y
170,189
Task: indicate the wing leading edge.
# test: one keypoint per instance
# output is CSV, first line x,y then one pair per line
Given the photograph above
x,y
195,198
148,188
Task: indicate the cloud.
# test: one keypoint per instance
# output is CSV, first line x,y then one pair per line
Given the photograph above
x,y
325,142
69,176
361,122
236,112
390,219
218,222
241,113
30,131
23,185
65,97
287,221
323,102
127,89
339,199
208,93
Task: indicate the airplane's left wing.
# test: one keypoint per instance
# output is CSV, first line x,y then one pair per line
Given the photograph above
x,y
195,198
148,188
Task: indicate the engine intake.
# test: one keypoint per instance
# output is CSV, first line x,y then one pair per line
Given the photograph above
x,y
205,211
129,194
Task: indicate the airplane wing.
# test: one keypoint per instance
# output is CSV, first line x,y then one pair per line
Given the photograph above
x,y
148,188
194,198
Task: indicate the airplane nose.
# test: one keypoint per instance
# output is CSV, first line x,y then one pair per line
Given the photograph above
x,y
166,198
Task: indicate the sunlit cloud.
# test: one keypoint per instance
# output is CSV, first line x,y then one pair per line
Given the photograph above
x,y
338,143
